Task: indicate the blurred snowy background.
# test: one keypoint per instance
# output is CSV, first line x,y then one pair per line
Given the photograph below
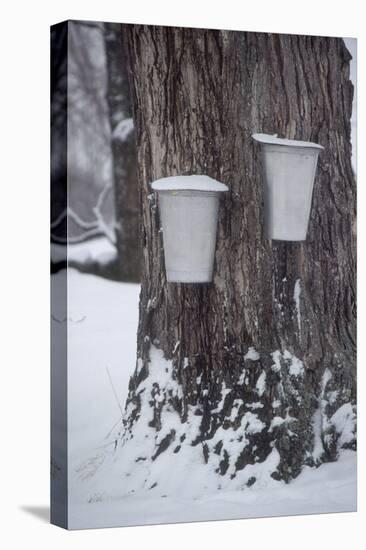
x,y
102,300
101,157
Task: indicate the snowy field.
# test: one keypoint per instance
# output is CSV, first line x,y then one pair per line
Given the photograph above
x,y
103,318
330,488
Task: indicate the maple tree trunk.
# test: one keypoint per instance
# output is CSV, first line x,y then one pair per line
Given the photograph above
x,y
267,351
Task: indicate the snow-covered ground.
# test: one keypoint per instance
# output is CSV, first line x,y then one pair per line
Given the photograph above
x,y
103,318
330,488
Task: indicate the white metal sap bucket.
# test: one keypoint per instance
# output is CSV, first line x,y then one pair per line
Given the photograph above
x,y
289,168
189,212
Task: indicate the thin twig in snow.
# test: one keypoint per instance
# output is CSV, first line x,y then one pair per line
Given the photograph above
x,y
112,428
114,391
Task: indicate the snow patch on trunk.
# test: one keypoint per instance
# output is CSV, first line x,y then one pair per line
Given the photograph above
x,y
252,354
261,384
296,366
337,430
297,294
319,421
276,356
344,420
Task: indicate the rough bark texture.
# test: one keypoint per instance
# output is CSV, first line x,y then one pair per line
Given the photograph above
x,y
198,95
124,157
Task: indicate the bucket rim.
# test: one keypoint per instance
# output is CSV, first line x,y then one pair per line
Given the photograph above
x,y
274,140
189,183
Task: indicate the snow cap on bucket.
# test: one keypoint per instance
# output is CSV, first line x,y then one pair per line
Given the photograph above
x,y
189,183
274,140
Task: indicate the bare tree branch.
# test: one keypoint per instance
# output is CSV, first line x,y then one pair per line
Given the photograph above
x,y
93,228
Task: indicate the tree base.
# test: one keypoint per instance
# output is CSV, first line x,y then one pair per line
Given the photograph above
x,y
174,426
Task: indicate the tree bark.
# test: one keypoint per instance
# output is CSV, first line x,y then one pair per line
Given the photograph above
x,y
124,157
265,355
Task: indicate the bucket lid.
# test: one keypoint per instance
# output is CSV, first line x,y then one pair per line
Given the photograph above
x,y
188,183
273,140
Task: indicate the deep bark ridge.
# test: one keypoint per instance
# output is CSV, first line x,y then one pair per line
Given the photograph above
x,y
254,374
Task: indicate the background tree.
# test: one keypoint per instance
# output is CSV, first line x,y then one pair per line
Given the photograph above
x,y
59,37
261,361
82,209
102,154
124,156
90,205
